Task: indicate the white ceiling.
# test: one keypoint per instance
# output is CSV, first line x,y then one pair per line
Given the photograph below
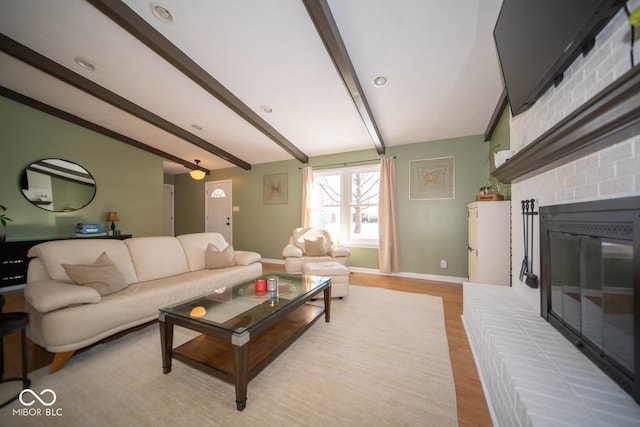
x,y
439,57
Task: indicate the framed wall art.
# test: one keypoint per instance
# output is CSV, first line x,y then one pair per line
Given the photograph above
x,y
432,179
275,189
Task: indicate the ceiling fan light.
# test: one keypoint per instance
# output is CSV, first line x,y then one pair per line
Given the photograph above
x,y
197,174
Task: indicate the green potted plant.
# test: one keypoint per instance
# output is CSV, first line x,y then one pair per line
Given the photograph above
x,y
3,221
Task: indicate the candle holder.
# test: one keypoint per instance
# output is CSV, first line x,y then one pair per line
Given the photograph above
x,y
261,285
272,283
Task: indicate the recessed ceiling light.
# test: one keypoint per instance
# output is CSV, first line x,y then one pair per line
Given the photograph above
x,y
84,63
380,81
162,13
266,108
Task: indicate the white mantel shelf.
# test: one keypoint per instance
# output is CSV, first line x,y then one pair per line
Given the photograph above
x,y
611,116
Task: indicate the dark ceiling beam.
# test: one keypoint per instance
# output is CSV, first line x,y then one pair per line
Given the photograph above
x,y
122,15
33,58
497,113
328,30
46,108
61,169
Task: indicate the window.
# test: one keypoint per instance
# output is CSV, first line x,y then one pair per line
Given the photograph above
x,y
346,203
218,193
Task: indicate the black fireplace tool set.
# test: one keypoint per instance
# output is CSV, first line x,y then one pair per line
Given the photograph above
x,y
527,226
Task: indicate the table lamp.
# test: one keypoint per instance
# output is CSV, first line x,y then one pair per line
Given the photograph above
x,y
113,216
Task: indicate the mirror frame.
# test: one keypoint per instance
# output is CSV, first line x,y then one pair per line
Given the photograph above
x,y
60,172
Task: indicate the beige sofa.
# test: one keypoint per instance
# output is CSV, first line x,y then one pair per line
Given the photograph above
x,y
157,271
308,244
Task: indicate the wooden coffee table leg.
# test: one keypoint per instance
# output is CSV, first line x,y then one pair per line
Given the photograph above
x,y
327,303
240,348
166,343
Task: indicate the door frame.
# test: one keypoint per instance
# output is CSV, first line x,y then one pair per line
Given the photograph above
x,y
173,208
209,185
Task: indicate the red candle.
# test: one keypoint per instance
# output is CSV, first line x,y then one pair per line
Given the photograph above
x,y
261,285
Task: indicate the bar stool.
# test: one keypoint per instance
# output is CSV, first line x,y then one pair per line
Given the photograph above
x,y
10,323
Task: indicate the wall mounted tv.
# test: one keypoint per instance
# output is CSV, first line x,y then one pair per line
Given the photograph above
x,y
537,40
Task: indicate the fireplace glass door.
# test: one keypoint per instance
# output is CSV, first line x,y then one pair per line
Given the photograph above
x,y
592,292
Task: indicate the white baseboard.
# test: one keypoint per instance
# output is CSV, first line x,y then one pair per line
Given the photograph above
x,y
409,275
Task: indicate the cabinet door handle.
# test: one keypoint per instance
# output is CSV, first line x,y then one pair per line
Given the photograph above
x,y
12,261
12,277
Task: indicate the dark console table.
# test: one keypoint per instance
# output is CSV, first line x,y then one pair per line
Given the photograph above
x,y
14,260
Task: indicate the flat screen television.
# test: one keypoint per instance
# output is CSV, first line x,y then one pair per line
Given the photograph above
x,y
537,40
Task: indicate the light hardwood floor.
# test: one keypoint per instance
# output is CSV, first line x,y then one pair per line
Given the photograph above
x,y
472,407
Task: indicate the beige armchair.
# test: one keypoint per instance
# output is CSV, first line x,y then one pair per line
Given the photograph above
x,y
312,245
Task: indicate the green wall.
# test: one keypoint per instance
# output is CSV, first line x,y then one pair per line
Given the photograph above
x,y
500,140
74,194
128,180
430,230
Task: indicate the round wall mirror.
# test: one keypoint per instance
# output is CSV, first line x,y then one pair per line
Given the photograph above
x,y
57,185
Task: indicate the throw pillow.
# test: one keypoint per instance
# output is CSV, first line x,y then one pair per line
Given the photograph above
x,y
214,258
315,246
103,275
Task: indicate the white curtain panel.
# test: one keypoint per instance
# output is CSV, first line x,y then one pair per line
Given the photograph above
x,y
388,252
307,193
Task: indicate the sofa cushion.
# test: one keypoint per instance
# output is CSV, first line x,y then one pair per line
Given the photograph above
x,y
339,251
246,257
50,295
292,251
157,257
195,246
314,246
294,265
82,251
103,275
215,258
300,234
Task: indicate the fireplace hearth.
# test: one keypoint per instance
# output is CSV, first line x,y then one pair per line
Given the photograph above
x,y
590,279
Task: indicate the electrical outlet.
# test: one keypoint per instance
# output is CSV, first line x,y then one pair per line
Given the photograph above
x,y
443,263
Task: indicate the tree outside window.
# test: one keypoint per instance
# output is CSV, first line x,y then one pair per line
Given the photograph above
x,y
347,203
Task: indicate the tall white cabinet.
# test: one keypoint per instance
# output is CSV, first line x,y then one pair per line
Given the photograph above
x,y
490,242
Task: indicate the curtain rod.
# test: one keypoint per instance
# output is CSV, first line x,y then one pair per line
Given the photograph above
x,y
346,163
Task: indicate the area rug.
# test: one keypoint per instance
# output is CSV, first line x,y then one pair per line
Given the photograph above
x,y
382,360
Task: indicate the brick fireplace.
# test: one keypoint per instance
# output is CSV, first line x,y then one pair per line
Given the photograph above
x,y
590,268
531,374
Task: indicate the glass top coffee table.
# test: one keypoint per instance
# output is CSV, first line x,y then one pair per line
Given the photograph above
x,y
231,318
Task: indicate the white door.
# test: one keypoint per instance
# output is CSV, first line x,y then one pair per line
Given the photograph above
x,y
218,207
168,226
472,247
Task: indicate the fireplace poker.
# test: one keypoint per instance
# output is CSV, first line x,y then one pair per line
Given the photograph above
x,y
532,279
525,262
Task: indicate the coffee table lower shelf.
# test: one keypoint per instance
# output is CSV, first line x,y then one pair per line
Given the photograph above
x,y
240,364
